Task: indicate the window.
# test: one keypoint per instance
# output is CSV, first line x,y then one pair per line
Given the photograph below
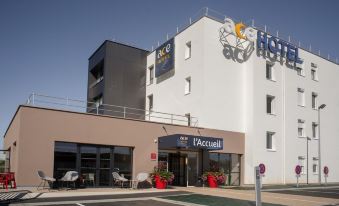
x,y
314,100
314,130
270,144
301,162
150,102
188,50
300,69
315,165
270,71
314,72
151,74
95,163
301,128
188,85
301,97
229,164
65,156
188,116
270,104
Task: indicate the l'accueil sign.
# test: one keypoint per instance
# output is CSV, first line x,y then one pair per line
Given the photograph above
x,y
264,42
197,142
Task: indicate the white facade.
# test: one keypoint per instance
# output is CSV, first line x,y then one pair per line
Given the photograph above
x,y
230,94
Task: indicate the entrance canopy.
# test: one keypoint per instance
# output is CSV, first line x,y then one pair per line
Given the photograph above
x,y
190,142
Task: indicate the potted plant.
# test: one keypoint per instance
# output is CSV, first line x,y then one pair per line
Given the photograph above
x,y
161,177
214,178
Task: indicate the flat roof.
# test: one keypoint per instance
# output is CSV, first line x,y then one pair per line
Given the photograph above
x,y
103,116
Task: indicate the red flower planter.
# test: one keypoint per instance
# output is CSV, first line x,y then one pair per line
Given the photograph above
x,y
212,181
159,183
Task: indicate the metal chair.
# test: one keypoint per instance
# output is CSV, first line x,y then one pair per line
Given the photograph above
x,y
117,179
44,179
70,176
141,177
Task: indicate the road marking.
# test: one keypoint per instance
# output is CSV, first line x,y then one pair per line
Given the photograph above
x,y
176,202
80,204
84,202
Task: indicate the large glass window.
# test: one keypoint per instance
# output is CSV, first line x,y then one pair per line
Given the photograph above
x,y
94,163
227,163
123,161
65,156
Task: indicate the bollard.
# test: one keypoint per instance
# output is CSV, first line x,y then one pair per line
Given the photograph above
x,y
257,179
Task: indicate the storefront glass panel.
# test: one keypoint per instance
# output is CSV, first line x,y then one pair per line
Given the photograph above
x,y
65,156
94,163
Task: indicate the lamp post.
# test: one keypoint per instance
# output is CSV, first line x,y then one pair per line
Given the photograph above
x,y
307,139
319,148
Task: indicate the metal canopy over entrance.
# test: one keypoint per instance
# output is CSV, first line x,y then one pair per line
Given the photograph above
x,y
190,142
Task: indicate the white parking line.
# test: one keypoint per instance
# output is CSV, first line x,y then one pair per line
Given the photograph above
x,y
80,204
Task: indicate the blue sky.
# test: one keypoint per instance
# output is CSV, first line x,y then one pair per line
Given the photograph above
x,y
45,45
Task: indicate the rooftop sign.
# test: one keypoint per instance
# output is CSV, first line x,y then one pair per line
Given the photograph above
x,y
264,42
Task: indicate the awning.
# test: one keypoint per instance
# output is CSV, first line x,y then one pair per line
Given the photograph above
x,y
190,142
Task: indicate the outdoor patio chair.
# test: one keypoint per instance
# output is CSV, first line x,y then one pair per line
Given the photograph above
x,y
44,179
89,179
141,177
117,179
70,177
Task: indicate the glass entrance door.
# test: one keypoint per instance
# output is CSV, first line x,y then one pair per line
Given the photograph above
x,y
192,168
177,165
184,166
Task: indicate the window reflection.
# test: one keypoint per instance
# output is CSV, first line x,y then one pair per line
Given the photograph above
x,y
94,162
228,164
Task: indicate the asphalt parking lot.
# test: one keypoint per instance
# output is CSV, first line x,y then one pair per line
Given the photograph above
x,y
322,192
125,203
179,198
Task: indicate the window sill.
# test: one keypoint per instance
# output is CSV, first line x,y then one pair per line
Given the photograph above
x,y
272,80
315,138
302,75
271,150
187,58
303,137
316,80
149,84
316,109
301,105
272,114
187,93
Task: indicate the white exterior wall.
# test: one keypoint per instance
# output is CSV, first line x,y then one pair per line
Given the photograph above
x,y
231,96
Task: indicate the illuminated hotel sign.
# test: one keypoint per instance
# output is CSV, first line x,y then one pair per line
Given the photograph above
x,y
190,141
264,42
164,58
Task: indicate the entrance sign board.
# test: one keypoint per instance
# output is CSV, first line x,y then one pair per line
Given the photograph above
x,y
190,141
153,156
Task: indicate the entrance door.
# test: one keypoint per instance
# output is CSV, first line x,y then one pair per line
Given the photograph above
x,y
192,168
177,165
184,166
